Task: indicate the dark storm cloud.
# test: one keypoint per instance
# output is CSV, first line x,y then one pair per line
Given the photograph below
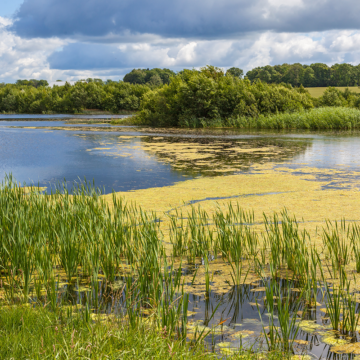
x,y
185,18
79,56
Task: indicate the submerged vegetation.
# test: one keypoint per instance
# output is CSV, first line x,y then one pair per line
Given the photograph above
x,y
109,280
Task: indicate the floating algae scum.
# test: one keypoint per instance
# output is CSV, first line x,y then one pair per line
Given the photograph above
x,y
245,262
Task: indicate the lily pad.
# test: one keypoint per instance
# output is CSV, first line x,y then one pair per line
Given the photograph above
x,y
224,344
332,340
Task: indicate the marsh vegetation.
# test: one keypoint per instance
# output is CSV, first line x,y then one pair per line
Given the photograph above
x,y
100,275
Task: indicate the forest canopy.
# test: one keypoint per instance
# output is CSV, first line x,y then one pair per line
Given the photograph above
x,y
314,75
146,76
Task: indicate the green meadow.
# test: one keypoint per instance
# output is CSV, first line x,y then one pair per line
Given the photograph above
x,y
317,92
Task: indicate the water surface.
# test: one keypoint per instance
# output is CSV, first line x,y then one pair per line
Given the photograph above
x,y
130,160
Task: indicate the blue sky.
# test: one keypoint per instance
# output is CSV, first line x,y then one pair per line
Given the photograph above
x,y
75,39
8,7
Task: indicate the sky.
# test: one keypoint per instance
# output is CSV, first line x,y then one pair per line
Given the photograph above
x,y
77,39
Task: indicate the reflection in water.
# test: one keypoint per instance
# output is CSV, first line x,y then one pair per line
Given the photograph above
x,y
213,157
132,160
243,315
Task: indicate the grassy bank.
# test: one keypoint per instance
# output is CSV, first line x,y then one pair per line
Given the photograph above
x,y
326,118
106,281
37,333
322,118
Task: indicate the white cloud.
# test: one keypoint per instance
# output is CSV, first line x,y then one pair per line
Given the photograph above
x,y
29,58
23,58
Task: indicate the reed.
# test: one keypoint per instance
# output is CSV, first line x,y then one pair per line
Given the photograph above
x,y
70,248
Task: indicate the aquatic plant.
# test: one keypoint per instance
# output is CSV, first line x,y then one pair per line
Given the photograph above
x,y
73,254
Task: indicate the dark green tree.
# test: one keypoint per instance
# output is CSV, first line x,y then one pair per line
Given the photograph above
x,y
235,72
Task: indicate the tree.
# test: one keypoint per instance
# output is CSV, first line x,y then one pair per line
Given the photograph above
x,y
322,74
155,80
309,77
213,72
235,72
143,76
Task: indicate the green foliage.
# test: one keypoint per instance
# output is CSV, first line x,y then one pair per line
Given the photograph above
x,y
95,94
325,118
207,98
32,82
314,75
29,333
236,72
152,77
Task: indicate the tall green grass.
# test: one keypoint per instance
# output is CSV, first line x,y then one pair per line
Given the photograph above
x,y
83,266
324,118
29,333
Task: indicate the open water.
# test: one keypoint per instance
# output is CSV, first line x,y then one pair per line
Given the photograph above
x,y
122,161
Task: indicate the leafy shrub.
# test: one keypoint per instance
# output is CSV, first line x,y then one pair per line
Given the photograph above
x,y
194,97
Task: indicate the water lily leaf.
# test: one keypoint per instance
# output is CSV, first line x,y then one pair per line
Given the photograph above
x,y
301,342
332,340
243,334
116,285
310,324
190,313
229,351
308,330
347,349
224,344
254,304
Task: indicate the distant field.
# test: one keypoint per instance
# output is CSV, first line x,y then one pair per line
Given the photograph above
x,y
318,91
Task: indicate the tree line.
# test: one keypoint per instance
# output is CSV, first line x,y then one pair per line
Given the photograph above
x,y
207,93
314,75
107,96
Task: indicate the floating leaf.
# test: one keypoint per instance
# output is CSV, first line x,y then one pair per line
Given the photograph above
x,y
243,334
254,304
258,289
332,340
229,351
301,342
224,344
347,349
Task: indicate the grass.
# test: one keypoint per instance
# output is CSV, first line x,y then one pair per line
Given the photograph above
x,y
326,118
79,280
29,333
316,92
323,118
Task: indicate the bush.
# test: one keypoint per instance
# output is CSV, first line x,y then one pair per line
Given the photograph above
x,y
193,98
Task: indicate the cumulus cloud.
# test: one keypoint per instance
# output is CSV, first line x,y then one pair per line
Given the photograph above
x,y
247,53
202,19
28,59
74,39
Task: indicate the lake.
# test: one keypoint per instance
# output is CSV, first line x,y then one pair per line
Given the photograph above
x,y
130,160
314,175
